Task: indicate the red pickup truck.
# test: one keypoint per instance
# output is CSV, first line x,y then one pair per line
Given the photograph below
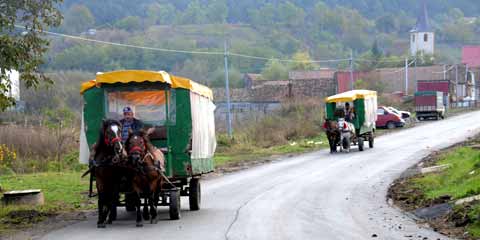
x,y
388,119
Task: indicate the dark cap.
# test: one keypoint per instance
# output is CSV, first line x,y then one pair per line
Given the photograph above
x,y
127,110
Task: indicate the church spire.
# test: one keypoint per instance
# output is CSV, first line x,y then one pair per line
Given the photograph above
x,y
423,24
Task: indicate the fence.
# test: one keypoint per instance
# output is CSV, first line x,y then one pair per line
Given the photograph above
x,y
465,104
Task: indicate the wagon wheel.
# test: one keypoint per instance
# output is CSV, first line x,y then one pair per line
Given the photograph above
x,y
371,141
390,125
346,144
174,207
195,194
360,144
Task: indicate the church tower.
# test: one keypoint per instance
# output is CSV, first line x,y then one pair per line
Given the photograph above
x,y
422,37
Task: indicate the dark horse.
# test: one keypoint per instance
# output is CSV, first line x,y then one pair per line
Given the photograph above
x,y
147,179
108,157
333,134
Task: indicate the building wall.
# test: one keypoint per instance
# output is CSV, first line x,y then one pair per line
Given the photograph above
x,y
418,43
279,90
14,91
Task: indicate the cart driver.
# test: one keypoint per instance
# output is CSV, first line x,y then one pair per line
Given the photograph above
x,y
349,112
129,122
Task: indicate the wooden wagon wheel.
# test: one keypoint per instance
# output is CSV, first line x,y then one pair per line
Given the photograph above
x,y
195,194
174,207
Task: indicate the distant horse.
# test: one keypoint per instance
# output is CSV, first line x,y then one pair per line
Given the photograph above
x,y
108,157
347,134
147,179
333,134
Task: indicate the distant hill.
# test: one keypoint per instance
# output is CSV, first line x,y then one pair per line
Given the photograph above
x,y
315,29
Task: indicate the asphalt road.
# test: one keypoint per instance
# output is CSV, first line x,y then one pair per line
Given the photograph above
x,y
312,196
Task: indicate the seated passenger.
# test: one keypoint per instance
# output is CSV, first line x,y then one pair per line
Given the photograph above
x,y
349,113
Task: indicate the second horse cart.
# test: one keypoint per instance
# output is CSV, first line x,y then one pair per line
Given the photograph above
x,y
361,126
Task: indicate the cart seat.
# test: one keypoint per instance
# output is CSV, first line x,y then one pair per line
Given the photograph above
x,y
160,133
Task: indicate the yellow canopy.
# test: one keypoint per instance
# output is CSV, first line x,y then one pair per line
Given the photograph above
x,y
351,96
128,76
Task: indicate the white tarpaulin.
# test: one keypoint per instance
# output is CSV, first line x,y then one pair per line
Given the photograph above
x,y
84,149
204,142
370,111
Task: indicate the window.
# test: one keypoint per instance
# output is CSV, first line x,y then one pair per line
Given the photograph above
x,y
413,38
380,112
148,105
425,37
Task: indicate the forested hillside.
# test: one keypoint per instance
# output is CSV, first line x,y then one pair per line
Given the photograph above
x,y
295,29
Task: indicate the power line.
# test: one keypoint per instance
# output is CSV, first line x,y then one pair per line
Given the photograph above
x,y
182,51
445,71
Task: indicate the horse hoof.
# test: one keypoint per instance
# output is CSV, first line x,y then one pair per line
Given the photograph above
x,y
153,221
101,225
139,224
109,222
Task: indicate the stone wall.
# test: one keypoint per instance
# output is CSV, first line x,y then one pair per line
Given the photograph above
x,y
279,90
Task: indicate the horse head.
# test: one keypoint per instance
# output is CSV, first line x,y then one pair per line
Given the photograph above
x,y
112,137
136,146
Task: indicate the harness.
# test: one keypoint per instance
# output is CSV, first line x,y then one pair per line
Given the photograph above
x,y
110,142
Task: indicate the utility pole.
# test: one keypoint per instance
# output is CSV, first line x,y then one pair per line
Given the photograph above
x,y
406,76
444,72
415,75
227,92
456,81
351,69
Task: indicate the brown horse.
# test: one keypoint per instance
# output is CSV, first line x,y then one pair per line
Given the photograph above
x,y
108,157
333,134
147,179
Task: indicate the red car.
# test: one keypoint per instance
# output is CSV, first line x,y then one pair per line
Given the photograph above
x,y
388,119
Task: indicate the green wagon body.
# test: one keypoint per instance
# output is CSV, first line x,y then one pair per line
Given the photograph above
x,y
179,163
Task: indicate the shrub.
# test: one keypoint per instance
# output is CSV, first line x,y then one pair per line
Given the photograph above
x,y
296,119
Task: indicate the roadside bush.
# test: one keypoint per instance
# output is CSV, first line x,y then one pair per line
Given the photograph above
x,y
36,148
296,119
7,159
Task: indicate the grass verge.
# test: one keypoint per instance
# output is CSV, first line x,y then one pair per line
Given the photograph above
x,y
460,180
64,192
232,154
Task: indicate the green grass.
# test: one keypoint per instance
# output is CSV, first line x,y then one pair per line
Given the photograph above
x,y
460,180
474,229
63,192
242,152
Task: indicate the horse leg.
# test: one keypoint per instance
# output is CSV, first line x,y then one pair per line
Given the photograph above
x,y
151,202
332,143
146,215
101,211
113,205
138,206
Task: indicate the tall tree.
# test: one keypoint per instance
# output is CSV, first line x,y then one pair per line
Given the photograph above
x,y
217,11
23,50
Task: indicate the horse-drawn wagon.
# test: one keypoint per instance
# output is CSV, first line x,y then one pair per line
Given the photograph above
x,y
180,116
353,125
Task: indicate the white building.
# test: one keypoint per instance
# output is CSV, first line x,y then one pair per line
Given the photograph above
x,y
14,90
422,37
